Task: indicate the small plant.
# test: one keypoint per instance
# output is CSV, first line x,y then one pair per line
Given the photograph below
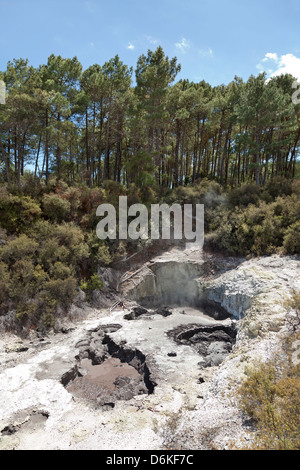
x,y
94,283
293,316
270,396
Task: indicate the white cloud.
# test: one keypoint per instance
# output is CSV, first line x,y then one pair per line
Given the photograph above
x,y
152,40
131,46
183,45
92,44
206,52
271,56
276,66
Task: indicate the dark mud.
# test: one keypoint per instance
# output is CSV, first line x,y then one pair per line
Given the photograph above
x,y
107,372
212,343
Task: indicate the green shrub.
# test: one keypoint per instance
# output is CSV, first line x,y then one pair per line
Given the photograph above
x,y
17,213
31,185
56,208
41,230
26,313
60,291
4,287
40,277
72,238
103,256
94,283
22,274
279,186
51,252
291,242
60,271
261,229
245,195
17,249
271,397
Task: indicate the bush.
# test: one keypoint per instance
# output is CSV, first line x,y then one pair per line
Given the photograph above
x,y
279,186
291,242
22,274
271,397
17,213
293,316
60,271
72,238
261,229
18,249
103,256
94,283
4,287
51,252
56,208
41,230
60,291
245,195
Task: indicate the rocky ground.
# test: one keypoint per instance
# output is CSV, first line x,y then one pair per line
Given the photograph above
x,y
222,315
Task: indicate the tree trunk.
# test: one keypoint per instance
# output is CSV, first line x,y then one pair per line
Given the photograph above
x,y
37,157
107,149
47,148
176,163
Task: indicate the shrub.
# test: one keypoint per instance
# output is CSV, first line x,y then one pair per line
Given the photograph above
x,y
17,212
41,230
279,186
56,208
103,256
259,229
72,195
26,313
293,316
245,195
61,290
60,271
271,397
291,242
17,249
4,287
22,273
31,185
40,277
71,237
94,283
51,252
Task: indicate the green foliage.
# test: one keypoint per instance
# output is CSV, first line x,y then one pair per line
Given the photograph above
x,y
245,195
103,256
92,284
26,313
17,212
271,397
56,208
60,290
260,229
4,287
291,242
60,271
279,186
17,249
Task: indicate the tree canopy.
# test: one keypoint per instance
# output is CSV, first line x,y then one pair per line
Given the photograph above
x,y
94,125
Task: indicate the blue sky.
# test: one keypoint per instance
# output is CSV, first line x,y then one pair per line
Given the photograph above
x,y
213,40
